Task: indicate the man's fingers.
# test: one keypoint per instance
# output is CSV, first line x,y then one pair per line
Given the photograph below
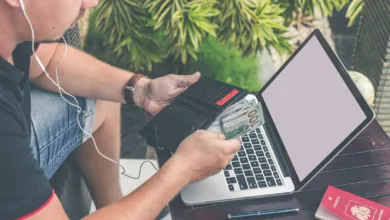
x,y
187,80
230,146
221,137
212,134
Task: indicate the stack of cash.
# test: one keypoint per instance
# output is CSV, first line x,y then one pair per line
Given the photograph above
x,y
239,119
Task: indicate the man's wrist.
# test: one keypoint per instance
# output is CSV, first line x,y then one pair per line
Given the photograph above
x,y
175,167
141,91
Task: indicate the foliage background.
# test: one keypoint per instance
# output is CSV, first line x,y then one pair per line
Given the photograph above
x,y
218,38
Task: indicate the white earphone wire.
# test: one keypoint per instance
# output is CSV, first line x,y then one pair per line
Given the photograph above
x,y
61,91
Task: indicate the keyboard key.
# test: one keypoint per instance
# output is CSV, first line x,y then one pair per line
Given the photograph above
x,y
262,160
273,168
248,173
238,171
255,141
250,151
252,135
260,136
256,170
242,154
252,182
265,149
270,181
242,182
231,180
246,166
235,158
231,188
259,177
245,135
260,153
248,146
279,182
244,160
262,184
267,173
257,147
276,175
228,167
236,164
258,130
264,166
252,157
268,155
271,162
263,142
227,173
254,164
245,139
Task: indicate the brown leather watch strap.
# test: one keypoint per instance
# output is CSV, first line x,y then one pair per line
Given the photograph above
x,y
130,88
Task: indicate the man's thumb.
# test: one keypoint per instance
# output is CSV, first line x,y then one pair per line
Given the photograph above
x,y
188,80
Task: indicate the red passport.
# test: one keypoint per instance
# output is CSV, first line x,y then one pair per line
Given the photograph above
x,y
338,204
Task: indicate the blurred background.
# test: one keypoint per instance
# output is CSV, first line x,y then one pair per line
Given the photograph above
x,y
239,42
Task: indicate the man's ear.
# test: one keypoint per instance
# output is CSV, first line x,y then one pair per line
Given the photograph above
x,y
14,3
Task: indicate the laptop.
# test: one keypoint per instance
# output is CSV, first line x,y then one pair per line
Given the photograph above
x,y
312,111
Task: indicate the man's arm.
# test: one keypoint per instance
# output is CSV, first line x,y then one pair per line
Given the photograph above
x,y
149,199
80,74
144,203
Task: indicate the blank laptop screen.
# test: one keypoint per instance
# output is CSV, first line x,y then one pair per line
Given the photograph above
x,y
312,107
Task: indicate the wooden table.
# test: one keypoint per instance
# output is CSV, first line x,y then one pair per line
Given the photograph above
x,y
363,168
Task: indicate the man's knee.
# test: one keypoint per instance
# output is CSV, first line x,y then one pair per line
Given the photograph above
x,y
106,112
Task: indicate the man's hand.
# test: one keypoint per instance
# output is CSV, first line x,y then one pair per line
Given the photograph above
x,y
155,94
203,154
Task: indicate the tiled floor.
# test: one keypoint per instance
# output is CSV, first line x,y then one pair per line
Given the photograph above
x,y
132,167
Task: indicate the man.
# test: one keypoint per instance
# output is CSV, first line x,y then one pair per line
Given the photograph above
x,y
32,147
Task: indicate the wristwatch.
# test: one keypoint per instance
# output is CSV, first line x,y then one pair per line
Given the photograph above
x,y
130,88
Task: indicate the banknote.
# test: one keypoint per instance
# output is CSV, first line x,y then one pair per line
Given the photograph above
x,y
251,120
239,119
232,109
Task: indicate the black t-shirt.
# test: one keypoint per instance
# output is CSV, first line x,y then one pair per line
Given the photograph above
x,y
24,188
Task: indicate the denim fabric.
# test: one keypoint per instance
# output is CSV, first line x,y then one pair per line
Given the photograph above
x,y
55,132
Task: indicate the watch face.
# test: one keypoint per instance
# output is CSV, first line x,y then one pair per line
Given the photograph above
x,y
129,88
128,93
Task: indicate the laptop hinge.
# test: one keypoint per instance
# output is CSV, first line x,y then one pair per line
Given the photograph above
x,y
277,150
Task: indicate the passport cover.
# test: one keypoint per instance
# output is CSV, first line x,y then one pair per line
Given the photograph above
x,y
194,109
337,204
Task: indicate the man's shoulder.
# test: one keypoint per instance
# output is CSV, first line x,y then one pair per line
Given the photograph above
x,y
7,93
10,108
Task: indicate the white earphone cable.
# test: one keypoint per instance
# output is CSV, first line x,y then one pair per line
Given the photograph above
x,y
61,91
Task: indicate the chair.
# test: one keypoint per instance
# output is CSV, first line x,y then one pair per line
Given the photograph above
x,y
372,55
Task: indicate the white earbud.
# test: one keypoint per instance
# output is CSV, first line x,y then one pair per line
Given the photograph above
x,y
22,5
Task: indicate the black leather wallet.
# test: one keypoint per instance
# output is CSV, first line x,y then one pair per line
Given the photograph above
x,y
194,109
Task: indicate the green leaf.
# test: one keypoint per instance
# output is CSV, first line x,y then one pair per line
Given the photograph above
x,y
354,10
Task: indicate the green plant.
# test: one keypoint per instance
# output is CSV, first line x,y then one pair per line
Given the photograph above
x,y
145,33
124,23
226,64
133,26
252,25
296,8
354,11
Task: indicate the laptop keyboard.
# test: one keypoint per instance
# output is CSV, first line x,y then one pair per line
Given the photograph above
x,y
253,166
